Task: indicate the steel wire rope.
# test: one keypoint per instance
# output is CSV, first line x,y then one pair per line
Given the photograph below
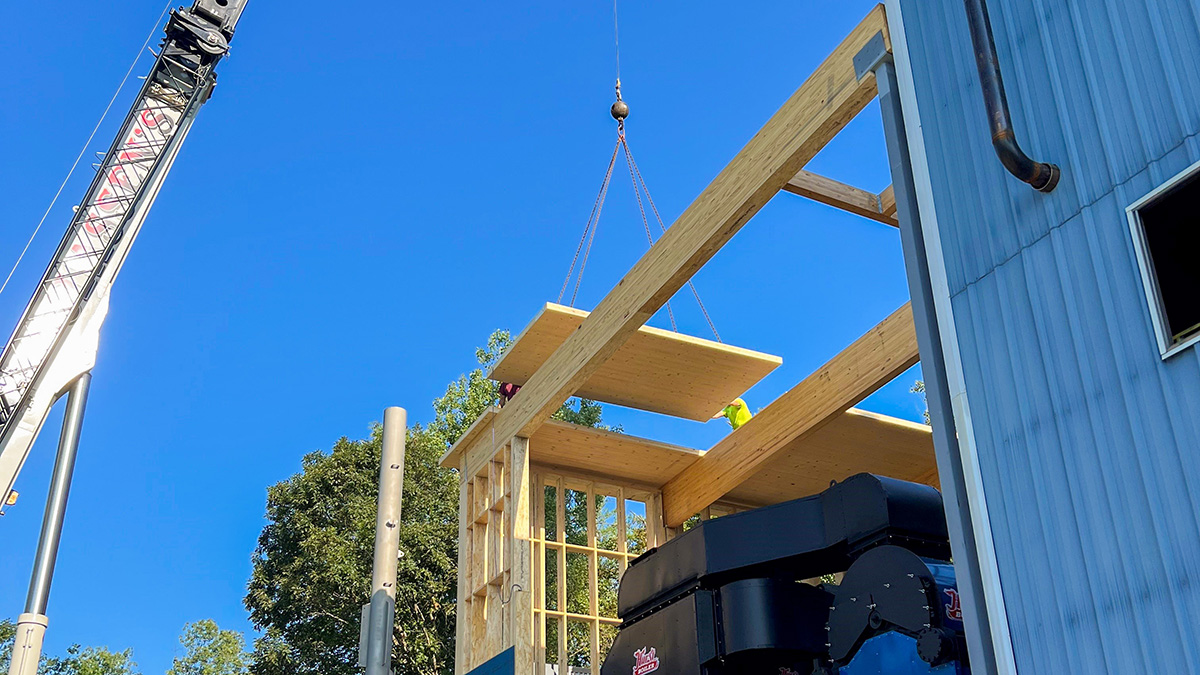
x,y
83,150
645,223
593,223
634,169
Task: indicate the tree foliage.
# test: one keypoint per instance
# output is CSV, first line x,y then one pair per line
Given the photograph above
x,y
8,632
312,566
919,388
90,661
208,650
78,661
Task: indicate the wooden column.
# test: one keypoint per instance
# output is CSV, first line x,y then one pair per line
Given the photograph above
x,y
520,586
462,620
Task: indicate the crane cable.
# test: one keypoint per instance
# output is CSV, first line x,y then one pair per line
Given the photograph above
x,y
619,111
83,150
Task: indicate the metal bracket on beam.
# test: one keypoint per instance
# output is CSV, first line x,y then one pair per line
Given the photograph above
x,y
871,55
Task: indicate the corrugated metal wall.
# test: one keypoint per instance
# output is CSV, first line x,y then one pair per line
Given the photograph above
x,y
1089,443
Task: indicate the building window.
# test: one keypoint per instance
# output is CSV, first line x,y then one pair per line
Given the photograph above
x,y
1166,237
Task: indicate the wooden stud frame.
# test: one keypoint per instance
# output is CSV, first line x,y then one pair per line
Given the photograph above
x,y
555,553
503,545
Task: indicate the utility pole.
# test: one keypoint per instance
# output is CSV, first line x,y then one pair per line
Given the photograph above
x,y
378,616
31,625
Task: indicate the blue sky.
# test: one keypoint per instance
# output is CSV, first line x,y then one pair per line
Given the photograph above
x,y
371,191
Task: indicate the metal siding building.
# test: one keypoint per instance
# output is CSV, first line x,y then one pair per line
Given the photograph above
x,y
1088,442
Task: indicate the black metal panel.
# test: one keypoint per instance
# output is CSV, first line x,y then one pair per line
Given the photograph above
x,y
799,539
679,638
772,614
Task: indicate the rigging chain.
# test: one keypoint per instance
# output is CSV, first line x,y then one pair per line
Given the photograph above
x,y
593,222
619,111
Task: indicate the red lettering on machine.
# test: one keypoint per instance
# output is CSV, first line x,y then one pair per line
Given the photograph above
x,y
645,660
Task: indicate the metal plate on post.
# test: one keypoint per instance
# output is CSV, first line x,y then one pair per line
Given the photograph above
x,y
868,58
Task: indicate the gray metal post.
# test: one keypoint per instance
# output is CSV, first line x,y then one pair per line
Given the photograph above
x,y
378,631
875,57
31,626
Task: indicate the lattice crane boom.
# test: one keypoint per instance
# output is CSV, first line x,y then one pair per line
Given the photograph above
x,y
56,338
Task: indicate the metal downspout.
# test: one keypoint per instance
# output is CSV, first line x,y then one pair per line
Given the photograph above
x,y
1040,175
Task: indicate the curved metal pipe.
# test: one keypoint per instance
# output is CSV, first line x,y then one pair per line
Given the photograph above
x,y
1041,175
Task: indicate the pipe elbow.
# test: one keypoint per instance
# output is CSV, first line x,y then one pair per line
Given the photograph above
x,y
1041,176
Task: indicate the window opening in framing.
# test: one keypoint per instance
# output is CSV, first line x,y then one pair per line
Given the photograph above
x,y
604,526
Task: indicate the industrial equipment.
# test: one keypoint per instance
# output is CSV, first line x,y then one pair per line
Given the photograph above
x,y
730,595
53,348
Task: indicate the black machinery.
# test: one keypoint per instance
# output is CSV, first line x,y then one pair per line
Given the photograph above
x,y
728,596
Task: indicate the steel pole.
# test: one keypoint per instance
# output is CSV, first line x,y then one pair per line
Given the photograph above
x,y
933,366
31,626
387,544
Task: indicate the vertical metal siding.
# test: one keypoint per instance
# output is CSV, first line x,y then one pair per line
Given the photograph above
x,y
1089,443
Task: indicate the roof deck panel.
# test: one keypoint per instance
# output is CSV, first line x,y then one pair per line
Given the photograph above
x,y
655,370
854,442
608,453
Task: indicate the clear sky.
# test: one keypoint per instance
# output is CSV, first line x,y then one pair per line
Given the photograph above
x,y
372,190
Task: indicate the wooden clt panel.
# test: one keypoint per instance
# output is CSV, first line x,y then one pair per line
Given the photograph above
x,y
872,361
823,105
841,196
856,441
654,370
613,455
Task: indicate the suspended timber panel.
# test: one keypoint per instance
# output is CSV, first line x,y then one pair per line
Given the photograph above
x,y
854,442
654,370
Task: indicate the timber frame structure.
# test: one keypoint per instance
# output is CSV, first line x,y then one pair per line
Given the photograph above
x,y
539,497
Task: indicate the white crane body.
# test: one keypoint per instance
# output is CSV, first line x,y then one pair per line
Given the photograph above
x,y
58,335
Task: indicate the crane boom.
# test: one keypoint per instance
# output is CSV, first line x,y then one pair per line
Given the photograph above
x,y
56,339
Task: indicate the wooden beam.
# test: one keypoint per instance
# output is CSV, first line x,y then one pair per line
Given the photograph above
x,y
872,361
841,196
887,203
821,107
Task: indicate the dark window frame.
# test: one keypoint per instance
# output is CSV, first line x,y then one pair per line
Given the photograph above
x,y
1168,343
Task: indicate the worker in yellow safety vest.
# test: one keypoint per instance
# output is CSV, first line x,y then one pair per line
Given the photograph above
x,y
737,412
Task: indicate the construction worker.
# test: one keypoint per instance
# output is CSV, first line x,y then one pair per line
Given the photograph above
x,y
737,412
507,391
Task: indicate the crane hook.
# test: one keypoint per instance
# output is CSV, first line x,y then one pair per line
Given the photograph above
x,y
620,109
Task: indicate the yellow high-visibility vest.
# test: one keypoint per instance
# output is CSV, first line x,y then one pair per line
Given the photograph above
x,y
738,413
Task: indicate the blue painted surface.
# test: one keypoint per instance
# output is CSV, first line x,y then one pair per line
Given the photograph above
x,y
895,654
504,663
1089,443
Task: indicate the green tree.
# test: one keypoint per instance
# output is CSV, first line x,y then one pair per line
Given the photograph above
x,y
8,632
90,661
208,650
919,388
78,661
312,566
